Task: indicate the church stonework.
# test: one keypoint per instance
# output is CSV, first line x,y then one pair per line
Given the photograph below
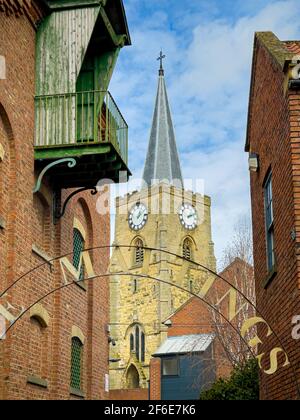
x,y
163,217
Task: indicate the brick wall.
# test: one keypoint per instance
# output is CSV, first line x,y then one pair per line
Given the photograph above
x,y
196,317
274,135
155,379
27,233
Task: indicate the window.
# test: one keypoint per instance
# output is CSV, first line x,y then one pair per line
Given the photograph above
x,y
135,286
143,347
131,343
138,343
187,249
269,217
139,252
78,247
76,363
170,367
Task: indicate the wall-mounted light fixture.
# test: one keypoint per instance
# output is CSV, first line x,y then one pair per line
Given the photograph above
x,y
253,162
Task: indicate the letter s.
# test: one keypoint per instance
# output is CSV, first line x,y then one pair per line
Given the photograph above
x,y
273,361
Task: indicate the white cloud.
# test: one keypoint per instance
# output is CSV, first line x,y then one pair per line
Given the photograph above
x,y
208,82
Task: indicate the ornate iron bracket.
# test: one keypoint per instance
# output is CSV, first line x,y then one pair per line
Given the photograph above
x,y
59,211
71,163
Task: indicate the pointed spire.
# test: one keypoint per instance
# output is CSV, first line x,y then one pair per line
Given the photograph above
x,y
162,162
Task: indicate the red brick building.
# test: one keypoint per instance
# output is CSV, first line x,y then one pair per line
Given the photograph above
x,y
59,347
273,141
198,321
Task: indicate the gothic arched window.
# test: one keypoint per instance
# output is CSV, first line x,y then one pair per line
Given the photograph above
x,y
139,252
187,249
138,343
143,347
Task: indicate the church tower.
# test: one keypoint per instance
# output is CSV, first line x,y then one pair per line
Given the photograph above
x,y
148,285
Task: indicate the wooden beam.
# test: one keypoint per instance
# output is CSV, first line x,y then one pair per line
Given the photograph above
x,y
49,153
118,40
74,4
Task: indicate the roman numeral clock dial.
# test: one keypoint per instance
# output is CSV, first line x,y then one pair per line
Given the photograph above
x,y
188,217
138,217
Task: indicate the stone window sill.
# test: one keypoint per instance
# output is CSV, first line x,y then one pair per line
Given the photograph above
x,y
76,393
136,266
34,380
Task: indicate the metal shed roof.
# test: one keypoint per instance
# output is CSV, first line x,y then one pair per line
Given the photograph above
x,y
185,344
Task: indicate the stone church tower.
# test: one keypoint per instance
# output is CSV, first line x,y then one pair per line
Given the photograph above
x,y
173,223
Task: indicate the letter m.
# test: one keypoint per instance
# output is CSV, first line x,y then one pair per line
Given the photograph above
x,y
76,272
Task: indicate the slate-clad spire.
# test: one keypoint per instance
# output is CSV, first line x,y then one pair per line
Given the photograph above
x,y
162,162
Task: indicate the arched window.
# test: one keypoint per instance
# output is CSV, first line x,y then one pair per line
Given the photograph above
x,y
187,249
143,347
76,363
78,247
138,343
139,252
131,343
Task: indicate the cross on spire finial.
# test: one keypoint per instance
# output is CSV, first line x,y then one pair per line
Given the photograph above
x,y
160,58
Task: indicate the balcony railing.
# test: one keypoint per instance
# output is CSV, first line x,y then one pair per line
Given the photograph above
x,y
79,119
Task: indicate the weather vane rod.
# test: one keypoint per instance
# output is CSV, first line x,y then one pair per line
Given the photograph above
x,y
160,58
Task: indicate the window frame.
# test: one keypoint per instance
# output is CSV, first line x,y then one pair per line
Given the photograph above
x,y
269,222
170,358
143,347
76,262
73,386
137,343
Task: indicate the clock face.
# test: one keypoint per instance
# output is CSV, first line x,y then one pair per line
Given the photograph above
x,y
138,217
188,216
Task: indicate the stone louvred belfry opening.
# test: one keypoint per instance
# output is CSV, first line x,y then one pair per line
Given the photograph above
x,y
162,162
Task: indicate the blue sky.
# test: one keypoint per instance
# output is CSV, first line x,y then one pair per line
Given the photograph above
x,y
208,45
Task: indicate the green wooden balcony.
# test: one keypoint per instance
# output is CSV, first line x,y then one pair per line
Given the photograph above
x,y
87,126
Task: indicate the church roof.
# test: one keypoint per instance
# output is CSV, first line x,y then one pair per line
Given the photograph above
x,y
162,162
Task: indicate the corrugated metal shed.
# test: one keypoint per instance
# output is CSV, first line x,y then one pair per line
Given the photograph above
x,y
185,344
